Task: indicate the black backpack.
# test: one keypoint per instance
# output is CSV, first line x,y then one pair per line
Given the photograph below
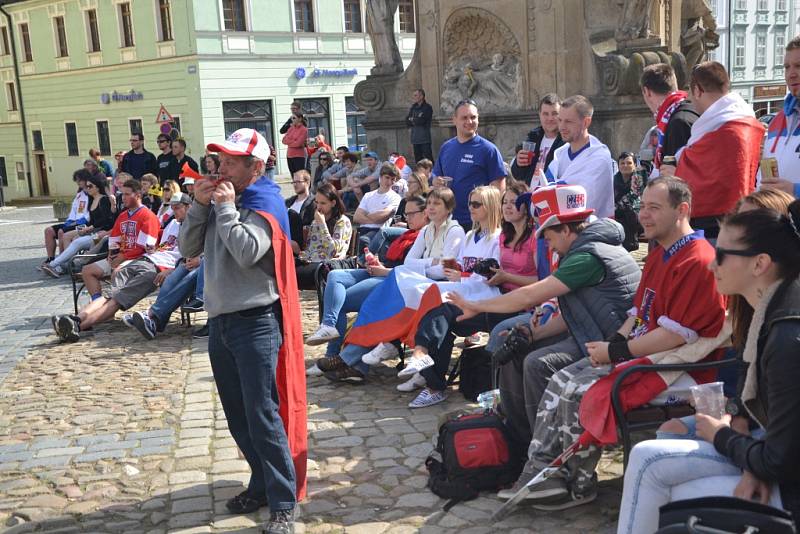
x,y
474,372
473,453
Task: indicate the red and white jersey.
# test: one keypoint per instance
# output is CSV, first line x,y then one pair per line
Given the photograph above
x,y
166,255
134,232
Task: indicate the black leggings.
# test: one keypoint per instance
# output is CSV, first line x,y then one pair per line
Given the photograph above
x,y
305,275
296,164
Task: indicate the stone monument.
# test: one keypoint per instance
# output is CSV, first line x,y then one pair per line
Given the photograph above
x,y
505,54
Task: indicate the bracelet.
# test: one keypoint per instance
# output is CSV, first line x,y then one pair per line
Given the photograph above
x,y
618,351
616,336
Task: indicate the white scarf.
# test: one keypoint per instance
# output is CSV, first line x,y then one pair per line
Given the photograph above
x,y
728,108
750,389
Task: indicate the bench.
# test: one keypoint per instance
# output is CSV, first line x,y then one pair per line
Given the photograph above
x,y
74,271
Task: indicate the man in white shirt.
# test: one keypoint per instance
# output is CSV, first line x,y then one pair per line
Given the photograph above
x,y
377,207
301,207
583,160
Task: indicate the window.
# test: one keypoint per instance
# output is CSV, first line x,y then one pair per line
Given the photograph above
x,y
176,123
135,126
780,5
352,16
356,135
405,11
741,5
780,48
304,16
61,37
761,50
233,15
11,97
3,173
72,139
5,49
93,33
25,39
103,138
738,50
20,171
126,24
165,20
255,114
38,145
763,5
316,112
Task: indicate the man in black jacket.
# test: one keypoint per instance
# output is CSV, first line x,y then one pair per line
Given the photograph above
x,y
138,161
301,207
673,113
419,119
545,139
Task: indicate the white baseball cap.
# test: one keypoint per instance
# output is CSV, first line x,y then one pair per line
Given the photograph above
x,y
243,142
559,204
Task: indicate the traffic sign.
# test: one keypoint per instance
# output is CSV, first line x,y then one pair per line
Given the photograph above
x,y
163,115
165,128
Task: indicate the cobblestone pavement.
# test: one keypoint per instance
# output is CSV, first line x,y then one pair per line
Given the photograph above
x,y
117,434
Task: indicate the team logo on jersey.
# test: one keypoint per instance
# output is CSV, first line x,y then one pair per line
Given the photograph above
x,y
128,238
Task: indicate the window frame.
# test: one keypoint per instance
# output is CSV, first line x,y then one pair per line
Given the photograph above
x,y
107,123
760,49
19,168
361,22
353,115
34,146
127,36
232,124
131,120
780,49
77,151
326,103
245,16
25,42
312,14
92,31
12,103
3,172
781,5
5,44
400,5
169,35
736,50
762,5
60,36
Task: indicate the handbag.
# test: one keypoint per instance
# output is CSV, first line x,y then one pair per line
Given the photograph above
x,y
723,515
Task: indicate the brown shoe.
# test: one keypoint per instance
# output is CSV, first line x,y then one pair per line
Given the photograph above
x,y
330,363
346,374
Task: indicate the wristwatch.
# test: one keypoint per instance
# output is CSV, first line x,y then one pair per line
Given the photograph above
x,y
734,406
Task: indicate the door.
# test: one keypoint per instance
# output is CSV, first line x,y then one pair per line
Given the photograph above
x,y
41,166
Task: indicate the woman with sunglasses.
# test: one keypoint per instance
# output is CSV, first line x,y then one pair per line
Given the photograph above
x,y
758,260
295,140
102,219
324,162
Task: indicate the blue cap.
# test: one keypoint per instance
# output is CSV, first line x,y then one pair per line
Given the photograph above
x,y
371,154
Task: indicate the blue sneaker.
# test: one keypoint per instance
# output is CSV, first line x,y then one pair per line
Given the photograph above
x,y
144,324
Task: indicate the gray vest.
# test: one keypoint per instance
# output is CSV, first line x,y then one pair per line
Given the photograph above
x,y
594,313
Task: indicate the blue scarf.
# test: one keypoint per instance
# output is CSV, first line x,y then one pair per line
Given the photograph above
x,y
265,195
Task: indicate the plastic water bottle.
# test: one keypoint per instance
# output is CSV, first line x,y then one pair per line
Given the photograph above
x,y
489,399
369,257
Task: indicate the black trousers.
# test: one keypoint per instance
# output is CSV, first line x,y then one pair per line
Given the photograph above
x,y
437,331
423,151
296,164
629,220
305,274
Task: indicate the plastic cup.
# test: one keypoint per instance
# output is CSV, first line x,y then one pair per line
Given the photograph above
x,y
709,399
445,181
449,263
530,148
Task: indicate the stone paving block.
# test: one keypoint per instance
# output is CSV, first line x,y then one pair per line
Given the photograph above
x,y
191,451
157,442
150,434
20,456
191,433
13,447
184,477
101,455
89,441
49,443
151,451
52,461
191,519
61,451
196,504
112,445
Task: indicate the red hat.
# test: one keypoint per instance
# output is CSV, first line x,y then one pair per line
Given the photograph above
x,y
243,142
559,204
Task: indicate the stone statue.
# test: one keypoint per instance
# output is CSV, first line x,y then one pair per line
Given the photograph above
x,y
698,31
634,21
482,62
380,27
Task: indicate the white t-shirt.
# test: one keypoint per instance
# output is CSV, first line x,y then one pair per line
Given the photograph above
x,y
375,201
400,187
472,251
297,205
544,149
166,255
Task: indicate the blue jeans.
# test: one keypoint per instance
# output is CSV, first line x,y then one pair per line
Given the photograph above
x,y
345,292
352,354
243,348
175,289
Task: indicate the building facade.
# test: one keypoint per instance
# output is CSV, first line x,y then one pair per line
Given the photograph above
x,y
753,36
92,72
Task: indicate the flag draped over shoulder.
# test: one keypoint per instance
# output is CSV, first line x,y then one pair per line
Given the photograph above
x,y
596,412
721,158
394,308
264,197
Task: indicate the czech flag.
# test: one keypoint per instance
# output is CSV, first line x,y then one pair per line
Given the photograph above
x,y
395,307
264,197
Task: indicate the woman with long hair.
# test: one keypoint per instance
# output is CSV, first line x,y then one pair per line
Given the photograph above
x,y
417,185
758,259
164,214
211,162
328,237
295,140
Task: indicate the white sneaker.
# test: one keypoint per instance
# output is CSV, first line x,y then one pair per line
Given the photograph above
x,y
415,365
415,382
314,371
323,334
384,351
127,320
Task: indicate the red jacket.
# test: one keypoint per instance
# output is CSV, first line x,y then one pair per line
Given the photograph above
x,y
296,139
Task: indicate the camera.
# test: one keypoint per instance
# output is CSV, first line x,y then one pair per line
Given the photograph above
x,y
517,345
484,267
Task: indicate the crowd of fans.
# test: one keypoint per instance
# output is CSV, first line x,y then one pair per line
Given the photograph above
x,y
549,235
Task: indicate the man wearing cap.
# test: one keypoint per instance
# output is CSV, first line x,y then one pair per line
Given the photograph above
x,y
583,160
255,339
362,180
469,159
676,304
131,282
595,282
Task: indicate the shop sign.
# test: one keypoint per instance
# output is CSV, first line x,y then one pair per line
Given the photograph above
x,y
131,96
301,72
769,91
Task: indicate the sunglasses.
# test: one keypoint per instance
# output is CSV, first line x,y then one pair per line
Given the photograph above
x,y
475,205
722,252
162,141
413,212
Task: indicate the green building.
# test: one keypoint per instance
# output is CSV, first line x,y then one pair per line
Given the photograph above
x,y
89,73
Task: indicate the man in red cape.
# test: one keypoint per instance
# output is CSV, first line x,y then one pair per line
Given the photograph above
x,y
255,338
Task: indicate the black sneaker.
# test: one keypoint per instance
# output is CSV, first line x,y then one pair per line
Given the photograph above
x,y
200,333
330,363
281,522
346,374
244,503
144,324
194,305
67,328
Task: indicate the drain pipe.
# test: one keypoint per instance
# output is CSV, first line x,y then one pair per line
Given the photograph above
x,y
18,87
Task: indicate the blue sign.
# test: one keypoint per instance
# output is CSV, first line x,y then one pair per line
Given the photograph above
x,y
301,73
132,96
